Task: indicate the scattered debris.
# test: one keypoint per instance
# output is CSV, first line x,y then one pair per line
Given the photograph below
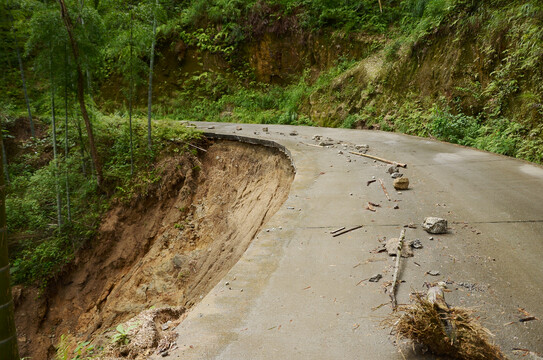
x,y
433,273
444,330
431,238
392,170
370,207
410,225
392,248
415,244
396,207
239,128
472,287
290,207
316,137
396,270
337,230
435,225
348,230
529,318
319,146
401,183
340,152
309,287
370,182
534,355
384,189
360,282
326,143
378,307
396,175
265,129
293,133
362,147
376,278
375,158
211,127
256,133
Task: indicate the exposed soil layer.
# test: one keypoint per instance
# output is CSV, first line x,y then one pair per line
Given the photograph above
x,y
163,251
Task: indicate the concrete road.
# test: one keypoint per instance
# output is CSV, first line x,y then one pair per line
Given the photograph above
x,y
297,292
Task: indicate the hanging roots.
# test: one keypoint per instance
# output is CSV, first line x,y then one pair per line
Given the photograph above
x,y
430,325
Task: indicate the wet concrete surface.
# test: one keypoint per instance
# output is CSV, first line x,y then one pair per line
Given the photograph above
x,y
297,292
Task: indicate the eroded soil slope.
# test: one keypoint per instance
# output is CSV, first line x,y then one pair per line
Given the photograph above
x,y
166,249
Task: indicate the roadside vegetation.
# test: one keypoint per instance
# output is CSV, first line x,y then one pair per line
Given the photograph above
x,y
464,71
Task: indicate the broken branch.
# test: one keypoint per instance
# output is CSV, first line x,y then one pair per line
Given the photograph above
x,y
337,230
396,270
348,230
384,189
379,159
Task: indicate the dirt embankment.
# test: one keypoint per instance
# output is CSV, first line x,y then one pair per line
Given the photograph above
x,y
166,250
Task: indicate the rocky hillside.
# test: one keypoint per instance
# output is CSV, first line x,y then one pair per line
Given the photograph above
x,y
467,72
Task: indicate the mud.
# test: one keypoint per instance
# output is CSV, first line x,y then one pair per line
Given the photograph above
x,y
164,250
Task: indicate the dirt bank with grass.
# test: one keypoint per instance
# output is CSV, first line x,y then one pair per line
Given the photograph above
x,y
165,249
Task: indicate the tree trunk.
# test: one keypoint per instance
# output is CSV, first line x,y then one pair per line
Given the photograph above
x,y
130,99
4,158
80,93
32,131
55,154
8,334
68,209
150,93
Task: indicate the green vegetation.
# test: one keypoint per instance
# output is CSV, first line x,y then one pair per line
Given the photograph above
x,y
43,248
464,71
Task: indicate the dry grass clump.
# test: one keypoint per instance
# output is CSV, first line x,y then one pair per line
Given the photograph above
x,y
451,332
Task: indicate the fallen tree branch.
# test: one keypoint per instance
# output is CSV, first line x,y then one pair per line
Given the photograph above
x,y
337,230
379,159
396,270
319,146
348,230
384,189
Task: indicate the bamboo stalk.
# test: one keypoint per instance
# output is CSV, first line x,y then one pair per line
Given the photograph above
x,y
396,270
380,159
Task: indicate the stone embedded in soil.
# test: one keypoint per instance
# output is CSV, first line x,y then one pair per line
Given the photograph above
x,y
293,133
435,225
433,273
396,175
362,147
239,128
401,183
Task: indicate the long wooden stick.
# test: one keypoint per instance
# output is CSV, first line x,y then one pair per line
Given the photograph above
x,y
379,159
384,189
396,270
337,230
313,145
348,230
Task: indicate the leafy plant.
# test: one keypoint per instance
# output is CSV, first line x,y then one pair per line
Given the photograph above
x,y
121,336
